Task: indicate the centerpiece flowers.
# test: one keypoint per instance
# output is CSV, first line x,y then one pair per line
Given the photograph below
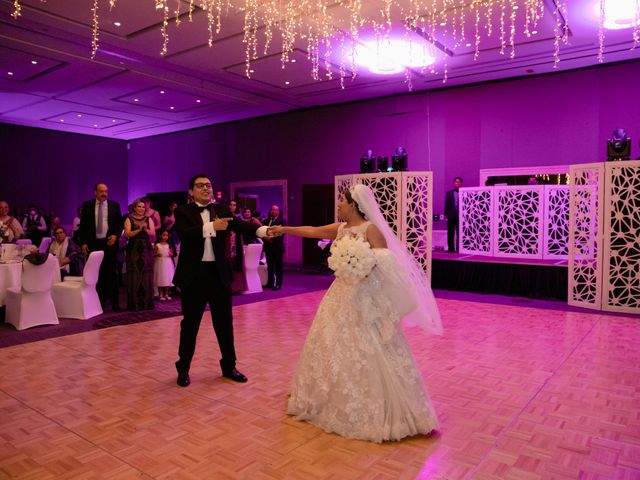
x,y
352,259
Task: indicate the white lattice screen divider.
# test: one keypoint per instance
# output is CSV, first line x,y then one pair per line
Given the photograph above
x,y
476,220
405,199
556,222
517,221
416,214
340,184
387,188
621,222
585,235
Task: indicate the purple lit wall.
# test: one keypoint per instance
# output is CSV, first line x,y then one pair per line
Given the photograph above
x,y
58,170
549,120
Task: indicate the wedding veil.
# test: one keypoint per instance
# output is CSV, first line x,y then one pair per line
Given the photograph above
x,y
426,313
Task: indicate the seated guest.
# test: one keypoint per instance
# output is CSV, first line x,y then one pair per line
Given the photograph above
x,y
10,228
34,225
69,254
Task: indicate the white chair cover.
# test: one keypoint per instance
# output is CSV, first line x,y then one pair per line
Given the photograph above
x,y
250,268
79,299
44,244
32,304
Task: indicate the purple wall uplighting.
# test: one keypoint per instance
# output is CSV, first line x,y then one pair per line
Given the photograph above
x,y
555,119
58,170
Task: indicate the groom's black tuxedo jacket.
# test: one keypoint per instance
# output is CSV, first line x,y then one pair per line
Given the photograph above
x,y
189,229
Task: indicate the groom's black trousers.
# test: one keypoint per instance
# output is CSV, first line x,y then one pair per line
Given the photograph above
x,y
207,287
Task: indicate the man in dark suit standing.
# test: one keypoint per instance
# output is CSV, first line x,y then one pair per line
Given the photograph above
x,y
204,274
100,228
451,203
274,250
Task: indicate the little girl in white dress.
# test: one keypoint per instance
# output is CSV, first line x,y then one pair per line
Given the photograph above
x,y
164,267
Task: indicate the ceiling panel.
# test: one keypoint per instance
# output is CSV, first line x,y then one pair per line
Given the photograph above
x,y
64,80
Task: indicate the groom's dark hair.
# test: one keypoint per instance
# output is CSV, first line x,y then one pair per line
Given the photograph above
x,y
192,182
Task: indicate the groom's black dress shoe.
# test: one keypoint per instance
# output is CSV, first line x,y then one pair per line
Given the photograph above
x,y
183,379
277,287
235,375
267,285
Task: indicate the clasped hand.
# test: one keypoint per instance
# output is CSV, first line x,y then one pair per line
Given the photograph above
x,y
275,231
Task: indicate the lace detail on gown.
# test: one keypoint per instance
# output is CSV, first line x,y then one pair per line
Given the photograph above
x,y
356,375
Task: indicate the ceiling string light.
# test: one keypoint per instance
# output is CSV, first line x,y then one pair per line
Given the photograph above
x,y
334,29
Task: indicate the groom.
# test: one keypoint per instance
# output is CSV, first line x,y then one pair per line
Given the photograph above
x,y
204,274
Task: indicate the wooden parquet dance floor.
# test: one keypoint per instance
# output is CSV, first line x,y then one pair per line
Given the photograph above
x,y
522,393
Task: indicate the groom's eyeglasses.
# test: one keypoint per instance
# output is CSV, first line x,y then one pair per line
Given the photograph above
x,y
202,185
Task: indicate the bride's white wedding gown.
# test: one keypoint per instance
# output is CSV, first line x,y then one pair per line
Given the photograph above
x,y
356,375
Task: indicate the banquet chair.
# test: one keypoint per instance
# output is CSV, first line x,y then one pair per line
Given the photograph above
x,y
76,297
24,241
44,244
32,305
250,268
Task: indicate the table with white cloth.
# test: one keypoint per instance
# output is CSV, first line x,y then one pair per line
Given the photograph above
x,y
11,277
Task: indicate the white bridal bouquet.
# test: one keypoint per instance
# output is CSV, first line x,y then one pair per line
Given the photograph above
x,y
352,259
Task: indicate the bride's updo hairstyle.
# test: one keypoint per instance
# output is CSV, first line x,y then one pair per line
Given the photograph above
x,y
349,198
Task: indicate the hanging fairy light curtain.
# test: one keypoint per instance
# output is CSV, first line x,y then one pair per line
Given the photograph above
x,y
328,24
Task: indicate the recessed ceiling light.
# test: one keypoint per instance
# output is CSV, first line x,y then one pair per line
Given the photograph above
x,y
533,32
9,73
79,116
162,92
136,100
286,83
468,45
95,126
293,60
62,119
198,101
251,71
117,24
443,24
113,121
171,108
34,62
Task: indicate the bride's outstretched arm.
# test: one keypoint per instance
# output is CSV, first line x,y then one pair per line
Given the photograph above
x,y
326,231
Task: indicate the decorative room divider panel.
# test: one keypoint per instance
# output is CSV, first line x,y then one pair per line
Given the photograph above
x,y
529,221
621,222
585,235
476,220
556,222
405,199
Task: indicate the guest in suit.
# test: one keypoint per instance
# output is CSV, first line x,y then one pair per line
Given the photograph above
x,y
451,211
69,255
204,274
274,250
34,225
100,228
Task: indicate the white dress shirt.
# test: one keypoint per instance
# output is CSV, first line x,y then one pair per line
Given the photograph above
x,y
209,232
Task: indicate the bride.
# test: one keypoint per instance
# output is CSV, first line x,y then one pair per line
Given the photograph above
x,y
356,376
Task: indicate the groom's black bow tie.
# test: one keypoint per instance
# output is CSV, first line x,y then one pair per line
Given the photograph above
x,y
206,207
